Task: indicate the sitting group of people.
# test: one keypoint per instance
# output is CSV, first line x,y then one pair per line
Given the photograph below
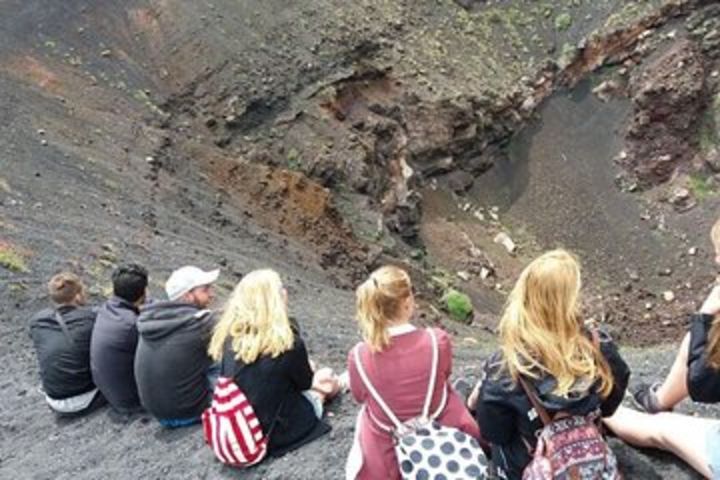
x,y
165,356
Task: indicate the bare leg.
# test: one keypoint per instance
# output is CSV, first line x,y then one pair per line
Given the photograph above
x,y
682,435
674,389
325,384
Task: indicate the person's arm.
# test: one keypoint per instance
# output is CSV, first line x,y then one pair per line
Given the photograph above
x,y
357,388
444,355
703,381
301,373
495,416
496,419
620,373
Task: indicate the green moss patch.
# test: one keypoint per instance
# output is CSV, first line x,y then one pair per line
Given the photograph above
x,y
12,260
563,22
458,305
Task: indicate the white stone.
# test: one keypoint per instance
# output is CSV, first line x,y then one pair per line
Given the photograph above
x,y
668,296
504,239
463,275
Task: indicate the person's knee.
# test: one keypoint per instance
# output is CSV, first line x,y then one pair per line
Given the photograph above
x,y
324,373
665,431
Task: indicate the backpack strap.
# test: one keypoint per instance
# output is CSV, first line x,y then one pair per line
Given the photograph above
x,y
63,326
433,376
428,396
535,401
374,393
595,334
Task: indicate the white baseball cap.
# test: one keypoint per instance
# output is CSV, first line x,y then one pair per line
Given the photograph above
x,y
185,279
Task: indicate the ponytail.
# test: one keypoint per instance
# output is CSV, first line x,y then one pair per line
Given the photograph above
x,y
379,299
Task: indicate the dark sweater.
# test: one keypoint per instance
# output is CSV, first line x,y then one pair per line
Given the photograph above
x,y
703,380
171,361
503,408
274,388
112,353
64,363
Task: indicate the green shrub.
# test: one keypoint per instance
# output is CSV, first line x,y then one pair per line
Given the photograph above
x,y
563,22
458,305
11,260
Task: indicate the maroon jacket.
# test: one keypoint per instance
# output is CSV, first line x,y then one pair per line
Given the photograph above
x,y
401,374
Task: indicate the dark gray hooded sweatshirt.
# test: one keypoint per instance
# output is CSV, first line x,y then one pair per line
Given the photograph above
x,y
171,361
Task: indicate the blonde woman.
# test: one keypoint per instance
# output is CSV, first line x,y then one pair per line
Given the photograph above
x,y
396,357
261,349
543,340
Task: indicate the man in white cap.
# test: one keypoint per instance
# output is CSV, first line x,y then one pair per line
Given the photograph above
x,y
171,362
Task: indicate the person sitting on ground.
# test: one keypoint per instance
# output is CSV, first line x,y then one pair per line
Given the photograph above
x,y
695,440
695,370
396,356
115,337
261,349
172,368
543,341
61,336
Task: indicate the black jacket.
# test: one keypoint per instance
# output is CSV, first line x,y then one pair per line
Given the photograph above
x,y
274,388
64,363
171,361
504,411
703,381
112,353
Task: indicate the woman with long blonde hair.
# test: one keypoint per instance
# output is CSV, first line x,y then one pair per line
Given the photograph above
x,y
544,342
396,358
260,347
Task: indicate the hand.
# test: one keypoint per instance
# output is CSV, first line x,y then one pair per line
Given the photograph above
x,y
712,302
473,397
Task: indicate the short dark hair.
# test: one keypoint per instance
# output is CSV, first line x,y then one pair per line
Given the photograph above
x,y
130,281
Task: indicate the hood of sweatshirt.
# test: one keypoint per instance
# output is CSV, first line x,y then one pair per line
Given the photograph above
x,y
499,386
161,319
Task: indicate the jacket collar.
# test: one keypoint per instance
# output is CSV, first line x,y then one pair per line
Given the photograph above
x,y
121,302
396,330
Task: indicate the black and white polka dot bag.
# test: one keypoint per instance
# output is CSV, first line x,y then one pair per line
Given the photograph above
x,y
425,449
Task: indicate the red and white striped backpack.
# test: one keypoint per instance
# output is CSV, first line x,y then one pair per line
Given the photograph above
x,y
231,427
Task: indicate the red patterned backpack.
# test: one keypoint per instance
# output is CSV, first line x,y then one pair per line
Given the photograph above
x,y
569,447
231,427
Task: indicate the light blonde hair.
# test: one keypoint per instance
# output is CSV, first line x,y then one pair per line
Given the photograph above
x,y
541,331
379,302
65,287
713,348
255,319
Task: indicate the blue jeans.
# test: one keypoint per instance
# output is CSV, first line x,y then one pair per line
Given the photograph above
x,y
178,422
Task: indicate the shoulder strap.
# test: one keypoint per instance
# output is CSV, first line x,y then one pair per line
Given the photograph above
x,y
433,375
428,396
595,337
535,401
63,326
374,393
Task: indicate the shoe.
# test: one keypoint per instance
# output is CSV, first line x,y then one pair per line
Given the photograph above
x,y
344,381
645,398
463,388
